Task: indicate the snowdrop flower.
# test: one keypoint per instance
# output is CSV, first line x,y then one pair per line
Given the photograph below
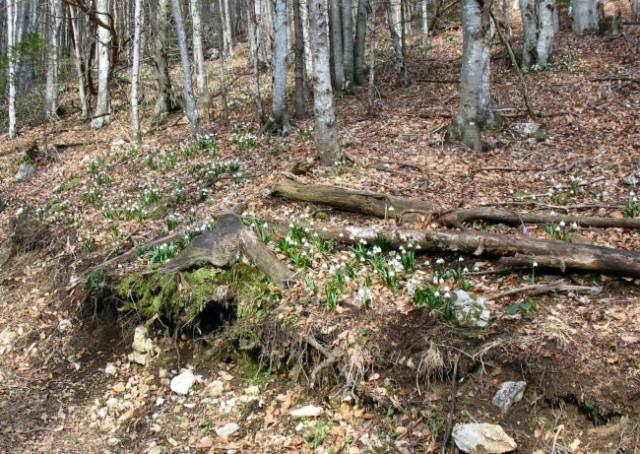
x,y
562,224
391,209
465,270
441,281
440,261
475,268
447,295
574,225
534,264
427,263
558,228
436,293
460,259
446,288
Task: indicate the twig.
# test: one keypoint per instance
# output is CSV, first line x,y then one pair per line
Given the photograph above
x,y
537,289
452,405
514,61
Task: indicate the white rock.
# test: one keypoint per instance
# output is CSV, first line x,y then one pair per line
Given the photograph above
x,y
309,411
156,450
139,358
470,310
110,369
64,324
25,171
215,388
160,401
526,129
252,391
113,441
482,438
227,429
182,383
141,342
508,394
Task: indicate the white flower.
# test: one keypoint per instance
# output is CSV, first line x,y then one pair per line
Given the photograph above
x,y
436,293
447,295
534,264
440,261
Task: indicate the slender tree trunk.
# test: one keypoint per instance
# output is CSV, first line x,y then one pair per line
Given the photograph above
x,y
308,53
165,98
11,67
336,44
546,11
301,88
190,102
635,9
361,31
255,56
228,30
280,121
372,59
51,96
204,99
347,43
424,22
77,49
529,33
585,15
102,116
326,132
135,72
223,84
394,17
475,98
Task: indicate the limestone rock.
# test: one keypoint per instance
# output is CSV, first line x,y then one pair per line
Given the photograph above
x,y
143,347
309,411
215,388
182,383
508,394
470,310
482,438
227,430
525,129
25,171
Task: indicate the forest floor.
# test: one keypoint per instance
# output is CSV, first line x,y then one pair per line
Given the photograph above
x,y
67,385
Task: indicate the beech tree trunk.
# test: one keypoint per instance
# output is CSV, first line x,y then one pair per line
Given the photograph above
x,y
280,119
361,31
300,78
394,17
475,97
371,92
546,11
102,115
204,99
135,72
11,67
585,15
347,43
326,132
78,62
165,97
51,91
192,111
529,33
336,44
424,22
227,29
254,48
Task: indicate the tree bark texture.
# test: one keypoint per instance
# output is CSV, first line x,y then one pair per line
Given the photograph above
x,y
192,111
78,61
361,31
102,113
584,15
336,44
204,99
135,72
300,79
279,120
326,132
394,17
11,67
165,97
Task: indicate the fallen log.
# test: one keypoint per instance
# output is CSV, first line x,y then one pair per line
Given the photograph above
x,y
551,253
367,202
385,206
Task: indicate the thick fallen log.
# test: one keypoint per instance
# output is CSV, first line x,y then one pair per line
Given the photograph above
x,y
372,203
386,206
525,249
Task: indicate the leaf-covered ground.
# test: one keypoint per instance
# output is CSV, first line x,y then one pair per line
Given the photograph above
x,y
381,317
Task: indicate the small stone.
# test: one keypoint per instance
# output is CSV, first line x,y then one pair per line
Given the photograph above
x,y
526,129
118,387
113,441
482,438
215,388
470,310
64,324
156,450
110,369
252,391
508,394
139,358
141,341
25,171
309,411
227,430
182,383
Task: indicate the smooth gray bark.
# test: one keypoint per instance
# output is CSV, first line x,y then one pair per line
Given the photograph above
x,y
546,11
280,121
77,50
165,97
326,132
102,114
190,102
372,59
51,91
394,17
227,29
585,15
11,67
336,44
424,22
347,43
529,33
254,49
204,99
361,31
135,72
300,79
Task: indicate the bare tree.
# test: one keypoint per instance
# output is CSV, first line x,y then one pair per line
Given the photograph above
x,y
165,98
538,31
361,30
204,99
394,17
347,43
585,15
326,132
135,71
300,73
51,90
11,67
336,44
254,48
279,122
102,115
424,22
192,111
75,24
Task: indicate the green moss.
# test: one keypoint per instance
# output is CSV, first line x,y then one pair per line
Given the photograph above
x,y
182,297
